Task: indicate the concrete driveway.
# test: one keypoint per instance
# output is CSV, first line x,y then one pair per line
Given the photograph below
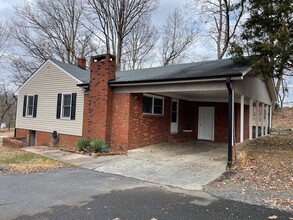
x,y
188,166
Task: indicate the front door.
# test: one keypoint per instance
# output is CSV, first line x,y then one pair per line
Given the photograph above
x,y
32,137
174,116
206,123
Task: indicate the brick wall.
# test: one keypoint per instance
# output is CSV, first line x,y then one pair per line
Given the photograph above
x,y
12,142
22,133
120,127
85,123
131,128
42,138
147,129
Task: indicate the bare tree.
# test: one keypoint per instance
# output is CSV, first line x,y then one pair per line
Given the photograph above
x,y
4,38
177,35
52,29
140,44
114,20
7,105
223,18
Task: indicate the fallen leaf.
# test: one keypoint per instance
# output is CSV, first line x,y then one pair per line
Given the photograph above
x,y
273,217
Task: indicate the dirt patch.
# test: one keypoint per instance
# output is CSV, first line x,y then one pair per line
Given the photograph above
x,y
283,118
264,165
17,160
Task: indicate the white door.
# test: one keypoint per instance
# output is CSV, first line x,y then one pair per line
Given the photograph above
x,y
174,116
206,123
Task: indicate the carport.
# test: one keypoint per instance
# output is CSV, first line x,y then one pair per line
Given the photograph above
x,y
210,101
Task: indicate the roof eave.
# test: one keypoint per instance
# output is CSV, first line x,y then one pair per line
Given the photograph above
x,y
175,81
83,85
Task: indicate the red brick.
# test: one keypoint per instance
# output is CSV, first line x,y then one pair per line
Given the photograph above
x,y
43,138
100,100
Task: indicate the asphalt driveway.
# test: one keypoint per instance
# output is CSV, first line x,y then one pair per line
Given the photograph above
x,y
84,194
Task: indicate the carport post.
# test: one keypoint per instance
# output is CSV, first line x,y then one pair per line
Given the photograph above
x,y
230,121
241,118
250,118
271,113
256,118
267,121
262,119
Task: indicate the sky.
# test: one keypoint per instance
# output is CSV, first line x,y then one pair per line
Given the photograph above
x,y
201,50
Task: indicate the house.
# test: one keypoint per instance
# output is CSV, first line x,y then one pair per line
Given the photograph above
x,y
210,100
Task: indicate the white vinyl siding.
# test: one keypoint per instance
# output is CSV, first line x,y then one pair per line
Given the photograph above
x,y
184,87
254,88
47,82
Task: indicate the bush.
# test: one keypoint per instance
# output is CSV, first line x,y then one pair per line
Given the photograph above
x,y
99,146
83,144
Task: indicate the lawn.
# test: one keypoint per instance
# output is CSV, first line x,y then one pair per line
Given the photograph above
x,y
17,160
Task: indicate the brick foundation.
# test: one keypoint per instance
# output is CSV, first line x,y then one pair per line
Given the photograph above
x,y
42,138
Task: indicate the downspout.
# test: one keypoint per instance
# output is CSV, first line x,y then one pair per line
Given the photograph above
x,y
228,84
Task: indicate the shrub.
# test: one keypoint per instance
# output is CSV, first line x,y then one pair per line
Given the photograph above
x,y
99,146
83,144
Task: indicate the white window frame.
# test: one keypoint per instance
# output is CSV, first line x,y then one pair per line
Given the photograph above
x,y
27,105
153,102
62,106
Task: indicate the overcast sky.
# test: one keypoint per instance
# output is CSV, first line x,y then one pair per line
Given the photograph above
x,y
201,50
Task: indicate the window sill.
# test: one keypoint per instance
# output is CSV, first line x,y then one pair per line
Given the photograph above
x,y
67,119
150,114
173,133
187,131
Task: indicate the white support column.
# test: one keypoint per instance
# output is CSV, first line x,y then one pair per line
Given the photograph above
x,y
242,119
271,113
267,121
262,118
233,120
256,118
250,118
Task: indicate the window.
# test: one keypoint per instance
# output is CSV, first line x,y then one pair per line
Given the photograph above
x,y
153,105
30,106
174,112
66,106
30,103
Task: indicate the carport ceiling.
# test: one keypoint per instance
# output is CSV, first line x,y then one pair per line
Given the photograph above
x,y
217,96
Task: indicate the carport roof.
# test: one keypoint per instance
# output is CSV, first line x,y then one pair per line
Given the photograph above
x,y
191,71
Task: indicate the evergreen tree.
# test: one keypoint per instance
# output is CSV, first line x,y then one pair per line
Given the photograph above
x,y
267,39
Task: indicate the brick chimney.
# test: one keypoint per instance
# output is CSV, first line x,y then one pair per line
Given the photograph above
x,y
100,99
81,62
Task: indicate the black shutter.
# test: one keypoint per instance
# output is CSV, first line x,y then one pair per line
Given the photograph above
x,y
73,106
59,99
35,106
24,106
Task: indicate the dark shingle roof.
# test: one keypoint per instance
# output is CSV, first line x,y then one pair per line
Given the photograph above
x,y
79,73
189,71
199,70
